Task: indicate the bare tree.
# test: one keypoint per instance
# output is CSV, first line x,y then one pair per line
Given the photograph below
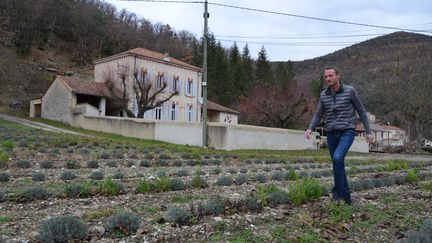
x,y
410,92
270,105
144,92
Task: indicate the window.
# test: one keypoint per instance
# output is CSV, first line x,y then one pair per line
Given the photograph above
x,y
189,87
158,111
173,112
160,80
189,113
142,75
175,86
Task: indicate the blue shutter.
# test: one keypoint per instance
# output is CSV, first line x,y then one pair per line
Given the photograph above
x,y
186,113
193,113
177,112
194,89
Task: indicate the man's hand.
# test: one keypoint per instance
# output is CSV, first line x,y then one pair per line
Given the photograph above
x,y
369,138
308,134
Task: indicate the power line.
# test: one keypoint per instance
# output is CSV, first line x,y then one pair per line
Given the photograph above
x,y
323,43
316,18
297,37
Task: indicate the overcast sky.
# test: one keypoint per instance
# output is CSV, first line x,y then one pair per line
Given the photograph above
x,y
285,37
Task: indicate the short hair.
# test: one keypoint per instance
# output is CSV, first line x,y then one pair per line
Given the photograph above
x,y
337,72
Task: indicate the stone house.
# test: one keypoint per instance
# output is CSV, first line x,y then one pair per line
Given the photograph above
x,y
155,67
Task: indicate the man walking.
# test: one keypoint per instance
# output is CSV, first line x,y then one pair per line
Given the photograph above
x,y
339,102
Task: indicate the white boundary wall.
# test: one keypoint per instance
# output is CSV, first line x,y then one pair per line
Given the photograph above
x,y
221,136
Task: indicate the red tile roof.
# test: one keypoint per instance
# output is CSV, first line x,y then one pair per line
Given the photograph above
x,y
157,56
80,86
216,107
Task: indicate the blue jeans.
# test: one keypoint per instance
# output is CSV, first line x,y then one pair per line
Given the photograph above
x,y
339,143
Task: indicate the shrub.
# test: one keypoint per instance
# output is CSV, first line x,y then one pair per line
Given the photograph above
x,y
261,178
23,144
72,164
243,170
186,156
145,163
214,206
38,176
110,188
4,157
339,213
161,173
111,163
232,171
216,162
118,155
277,197
65,228
4,176
2,197
8,145
399,179
67,175
178,216
166,155
205,162
412,175
291,175
96,175
181,173
122,224
224,181
92,164
258,161
24,164
191,162
32,194
162,162
150,155
241,179
216,171
178,163
118,176
46,164
198,182
144,186
305,190
278,176
78,190
130,163
177,184
249,204
162,184
104,155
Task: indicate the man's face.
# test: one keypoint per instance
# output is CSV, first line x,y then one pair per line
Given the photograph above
x,y
331,77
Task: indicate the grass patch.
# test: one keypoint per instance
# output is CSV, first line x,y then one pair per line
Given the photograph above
x,y
5,219
101,213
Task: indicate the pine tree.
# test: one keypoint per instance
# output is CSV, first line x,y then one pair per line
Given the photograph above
x,y
247,65
237,72
263,73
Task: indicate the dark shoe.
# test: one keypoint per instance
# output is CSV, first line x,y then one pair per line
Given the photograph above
x,y
347,201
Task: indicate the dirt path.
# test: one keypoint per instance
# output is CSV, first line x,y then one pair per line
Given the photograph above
x,y
39,125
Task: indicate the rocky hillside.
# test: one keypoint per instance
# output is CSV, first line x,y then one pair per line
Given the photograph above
x,y
368,64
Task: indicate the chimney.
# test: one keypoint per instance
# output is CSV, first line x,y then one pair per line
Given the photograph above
x,y
167,57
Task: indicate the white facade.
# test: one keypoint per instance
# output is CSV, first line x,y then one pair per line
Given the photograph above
x,y
185,79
